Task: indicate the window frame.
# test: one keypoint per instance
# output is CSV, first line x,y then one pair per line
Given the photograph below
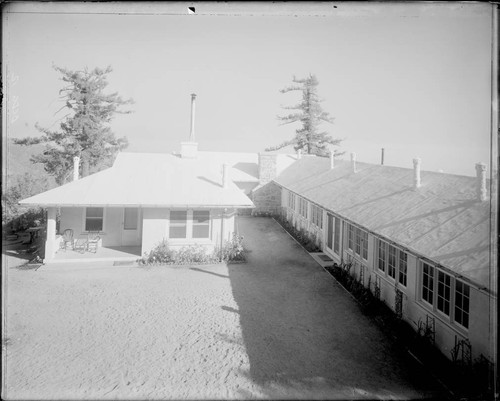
x,y
455,306
405,274
189,225
291,200
392,253
177,225
458,311
441,295
336,235
431,281
317,216
207,224
100,218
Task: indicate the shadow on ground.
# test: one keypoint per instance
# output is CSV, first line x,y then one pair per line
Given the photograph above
x,y
304,335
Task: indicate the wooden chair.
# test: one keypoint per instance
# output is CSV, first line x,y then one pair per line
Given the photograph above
x,y
67,239
93,241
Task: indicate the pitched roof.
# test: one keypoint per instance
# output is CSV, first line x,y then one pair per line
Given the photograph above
x,y
149,179
442,220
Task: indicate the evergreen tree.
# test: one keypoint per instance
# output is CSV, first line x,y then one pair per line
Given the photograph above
x,y
85,130
309,112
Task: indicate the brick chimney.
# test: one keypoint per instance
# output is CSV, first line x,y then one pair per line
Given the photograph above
x,y
416,172
353,162
189,149
267,167
482,193
76,168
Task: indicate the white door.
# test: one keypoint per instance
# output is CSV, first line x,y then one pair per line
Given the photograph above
x,y
130,226
333,234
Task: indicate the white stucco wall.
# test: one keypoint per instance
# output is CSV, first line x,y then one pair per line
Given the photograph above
x,y
156,226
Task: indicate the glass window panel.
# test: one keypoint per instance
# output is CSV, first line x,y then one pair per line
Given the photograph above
x,y
336,243
391,265
93,225
403,266
462,303
428,283
201,217
200,231
95,212
130,218
177,232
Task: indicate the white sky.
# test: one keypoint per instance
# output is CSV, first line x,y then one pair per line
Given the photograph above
x,y
414,78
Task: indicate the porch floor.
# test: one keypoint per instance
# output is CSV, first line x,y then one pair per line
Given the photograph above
x,y
104,253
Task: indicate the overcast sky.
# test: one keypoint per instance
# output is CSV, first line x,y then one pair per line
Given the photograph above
x,y
414,79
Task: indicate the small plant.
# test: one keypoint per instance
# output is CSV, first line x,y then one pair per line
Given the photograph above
x,y
308,241
233,250
161,254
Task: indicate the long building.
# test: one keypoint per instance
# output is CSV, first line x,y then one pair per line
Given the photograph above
x,y
423,241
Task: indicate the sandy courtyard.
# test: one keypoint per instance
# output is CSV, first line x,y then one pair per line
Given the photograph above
x,y
277,327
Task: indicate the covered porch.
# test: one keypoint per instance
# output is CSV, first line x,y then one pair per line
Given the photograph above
x,y
102,254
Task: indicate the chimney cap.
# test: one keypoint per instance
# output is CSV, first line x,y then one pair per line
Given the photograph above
x,y
193,95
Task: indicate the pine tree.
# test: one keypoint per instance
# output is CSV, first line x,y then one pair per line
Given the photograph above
x,y
85,130
309,112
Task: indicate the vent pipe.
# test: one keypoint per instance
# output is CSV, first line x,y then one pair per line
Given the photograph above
x,y
332,160
481,181
299,154
353,162
225,175
416,172
189,150
193,109
382,157
76,168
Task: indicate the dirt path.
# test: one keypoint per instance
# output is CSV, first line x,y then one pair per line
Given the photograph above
x,y
277,327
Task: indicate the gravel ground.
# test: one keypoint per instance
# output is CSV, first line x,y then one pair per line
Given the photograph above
x,y
276,327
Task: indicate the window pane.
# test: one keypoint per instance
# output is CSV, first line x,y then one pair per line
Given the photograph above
x,y
365,246
336,244
381,255
178,216
178,224
428,283
358,241
94,218
462,303
201,217
177,232
93,224
130,218
444,285
95,212
391,265
402,267
200,231
201,223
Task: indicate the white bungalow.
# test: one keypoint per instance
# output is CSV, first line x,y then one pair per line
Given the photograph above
x,y
186,198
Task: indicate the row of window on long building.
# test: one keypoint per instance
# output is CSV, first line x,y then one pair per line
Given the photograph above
x,y
438,290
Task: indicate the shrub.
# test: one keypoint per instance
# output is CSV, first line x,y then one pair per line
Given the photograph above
x,y
308,241
233,250
161,254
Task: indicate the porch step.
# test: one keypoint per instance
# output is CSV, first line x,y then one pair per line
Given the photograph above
x,y
322,259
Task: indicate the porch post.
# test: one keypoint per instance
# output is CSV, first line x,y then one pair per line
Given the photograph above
x,y
51,234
